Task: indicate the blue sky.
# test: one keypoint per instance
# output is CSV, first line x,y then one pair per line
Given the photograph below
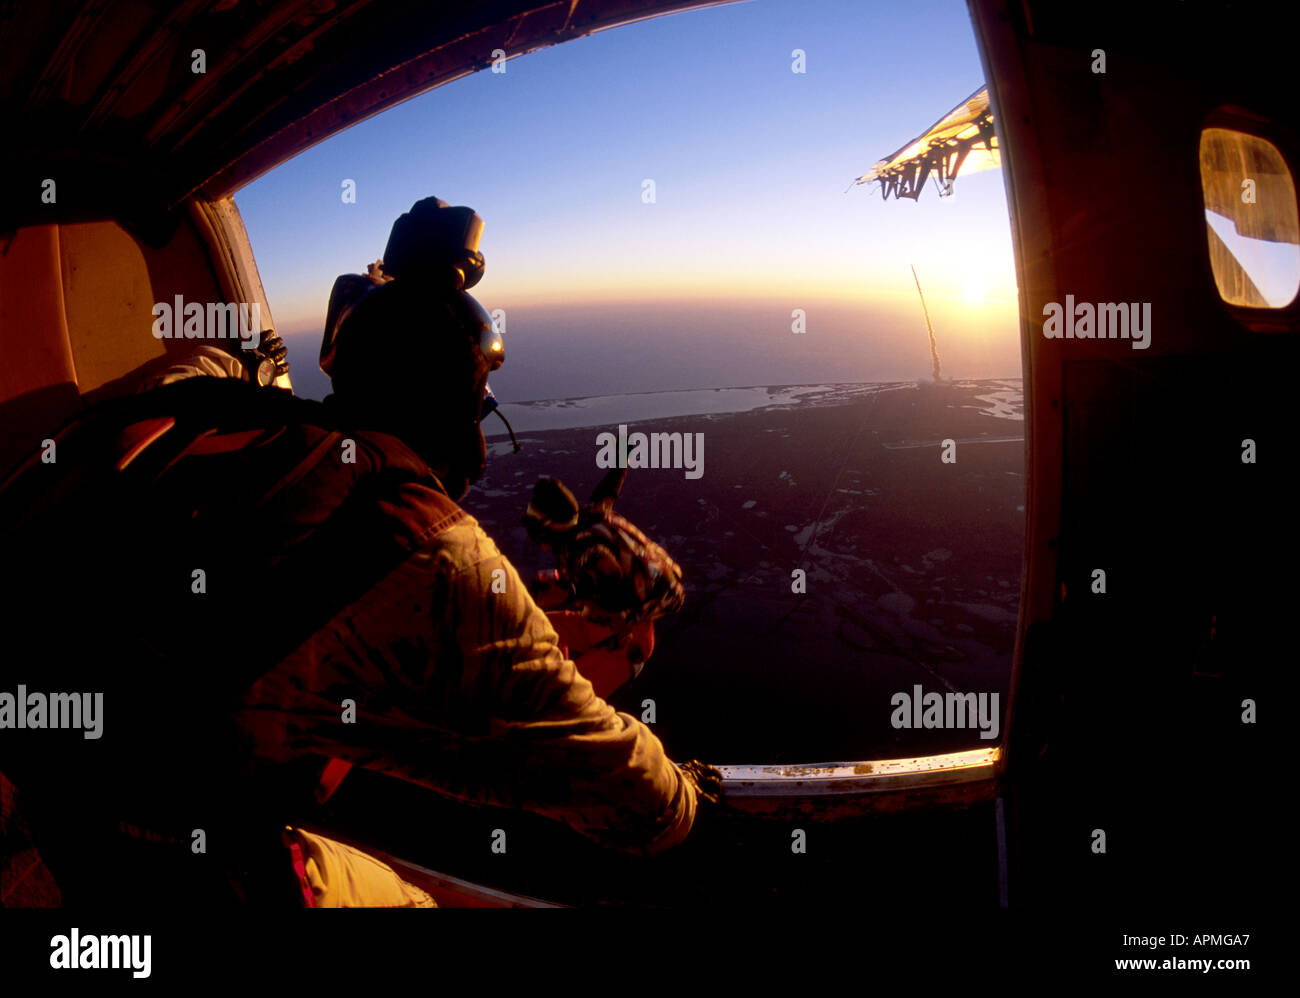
x,y
751,219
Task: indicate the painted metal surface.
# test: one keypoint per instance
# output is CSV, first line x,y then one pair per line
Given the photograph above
x,y
860,777
160,103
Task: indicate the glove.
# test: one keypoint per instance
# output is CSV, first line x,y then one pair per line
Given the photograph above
x,y
268,361
706,780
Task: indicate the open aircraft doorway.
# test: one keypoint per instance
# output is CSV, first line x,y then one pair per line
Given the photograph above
x,y
751,342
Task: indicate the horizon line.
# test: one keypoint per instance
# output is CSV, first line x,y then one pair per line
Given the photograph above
x,y
723,388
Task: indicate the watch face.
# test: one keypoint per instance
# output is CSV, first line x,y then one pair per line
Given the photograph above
x,y
265,373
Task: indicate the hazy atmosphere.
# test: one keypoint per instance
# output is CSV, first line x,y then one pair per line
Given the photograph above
x,y
606,293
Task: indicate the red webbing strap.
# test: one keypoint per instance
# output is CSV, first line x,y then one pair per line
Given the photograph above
x,y
136,437
330,778
212,442
300,869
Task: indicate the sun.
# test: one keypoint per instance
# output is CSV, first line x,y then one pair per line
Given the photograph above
x,y
973,293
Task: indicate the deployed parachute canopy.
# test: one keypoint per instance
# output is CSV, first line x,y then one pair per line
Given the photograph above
x,y
962,140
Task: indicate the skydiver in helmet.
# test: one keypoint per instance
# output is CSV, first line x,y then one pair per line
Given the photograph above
x,y
409,352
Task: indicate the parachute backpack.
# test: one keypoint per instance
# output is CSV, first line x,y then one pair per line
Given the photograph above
x,y
101,544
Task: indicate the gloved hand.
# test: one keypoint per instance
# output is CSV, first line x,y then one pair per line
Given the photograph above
x,y
268,361
706,780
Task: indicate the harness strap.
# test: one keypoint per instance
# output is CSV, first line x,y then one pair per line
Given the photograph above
x,y
330,778
300,869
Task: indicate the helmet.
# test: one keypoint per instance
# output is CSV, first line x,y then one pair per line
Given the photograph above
x,y
437,242
434,245
408,350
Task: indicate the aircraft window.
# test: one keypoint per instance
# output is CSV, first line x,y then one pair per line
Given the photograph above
x,y
1251,220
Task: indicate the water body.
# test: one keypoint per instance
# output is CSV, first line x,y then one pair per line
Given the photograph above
x,y
609,410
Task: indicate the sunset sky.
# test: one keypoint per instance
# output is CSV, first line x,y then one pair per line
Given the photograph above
x,y
604,293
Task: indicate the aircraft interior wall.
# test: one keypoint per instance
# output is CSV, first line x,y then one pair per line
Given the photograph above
x,y
76,317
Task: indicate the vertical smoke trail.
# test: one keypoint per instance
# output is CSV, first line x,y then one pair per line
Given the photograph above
x,y
934,347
